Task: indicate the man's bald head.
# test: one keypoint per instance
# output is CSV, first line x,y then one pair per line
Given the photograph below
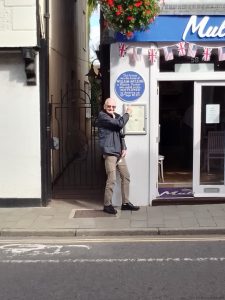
x,y
110,106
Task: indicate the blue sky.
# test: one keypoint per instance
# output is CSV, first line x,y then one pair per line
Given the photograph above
x,y
94,34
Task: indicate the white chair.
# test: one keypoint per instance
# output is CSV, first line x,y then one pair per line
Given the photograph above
x,y
215,147
160,161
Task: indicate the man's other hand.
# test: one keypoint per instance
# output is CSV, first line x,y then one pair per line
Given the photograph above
x,y
123,153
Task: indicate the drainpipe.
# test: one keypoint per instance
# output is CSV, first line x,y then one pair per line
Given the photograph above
x,y
45,113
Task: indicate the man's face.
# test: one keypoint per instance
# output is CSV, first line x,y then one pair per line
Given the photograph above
x,y
110,106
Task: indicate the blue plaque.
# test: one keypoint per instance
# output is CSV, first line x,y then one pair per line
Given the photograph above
x,y
129,86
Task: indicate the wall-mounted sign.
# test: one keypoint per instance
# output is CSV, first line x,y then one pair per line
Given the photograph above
x,y
212,114
137,120
129,86
181,27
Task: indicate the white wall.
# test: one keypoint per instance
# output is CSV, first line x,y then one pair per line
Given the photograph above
x,y
20,161
138,145
18,23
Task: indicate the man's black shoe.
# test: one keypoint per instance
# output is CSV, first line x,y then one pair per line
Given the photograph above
x,y
110,209
129,206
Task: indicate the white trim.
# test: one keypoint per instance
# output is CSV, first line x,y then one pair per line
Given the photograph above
x,y
198,79
193,2
209,195
198,189
198,7
153,136
172,76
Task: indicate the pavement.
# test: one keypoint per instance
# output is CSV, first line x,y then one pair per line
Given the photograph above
x,y
57,220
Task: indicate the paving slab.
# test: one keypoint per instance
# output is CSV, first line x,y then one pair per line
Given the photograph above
x,y
138,223
189,222
157,220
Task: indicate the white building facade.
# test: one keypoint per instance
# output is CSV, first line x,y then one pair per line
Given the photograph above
x,y
41,56
170,73
20,175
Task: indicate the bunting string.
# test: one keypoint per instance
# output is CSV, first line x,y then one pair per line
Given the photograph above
x,y
182,48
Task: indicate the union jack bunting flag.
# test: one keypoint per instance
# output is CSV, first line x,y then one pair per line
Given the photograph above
x,y
192,50
207,54
181,49
134,54
139,52
123,49
152,55
221,53
168,53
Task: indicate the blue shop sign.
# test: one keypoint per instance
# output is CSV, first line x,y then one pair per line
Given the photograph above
x,y
129,86
181,28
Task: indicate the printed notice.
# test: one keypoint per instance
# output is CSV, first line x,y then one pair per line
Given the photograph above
x,y
137,120
212,114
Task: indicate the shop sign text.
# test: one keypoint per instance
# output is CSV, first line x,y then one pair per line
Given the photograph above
x,y
203,29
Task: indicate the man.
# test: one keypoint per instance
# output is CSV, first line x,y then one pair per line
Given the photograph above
x,y
114,150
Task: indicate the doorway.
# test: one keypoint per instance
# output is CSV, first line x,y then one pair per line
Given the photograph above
x,y
176,102
209,139
78,173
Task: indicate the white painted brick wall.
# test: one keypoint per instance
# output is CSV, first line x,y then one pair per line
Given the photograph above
x,y
20,157
24,18
18,23
20,2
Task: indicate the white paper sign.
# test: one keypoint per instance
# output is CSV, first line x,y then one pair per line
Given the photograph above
x,y
212,113
137,120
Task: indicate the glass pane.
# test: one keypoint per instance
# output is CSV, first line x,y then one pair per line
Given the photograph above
x,y
212,135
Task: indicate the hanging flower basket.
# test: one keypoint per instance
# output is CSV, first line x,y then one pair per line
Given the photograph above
x,y
127,16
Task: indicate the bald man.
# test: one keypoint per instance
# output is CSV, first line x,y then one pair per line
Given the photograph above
x,y
114,150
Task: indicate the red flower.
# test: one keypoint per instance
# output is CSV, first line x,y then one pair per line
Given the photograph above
x,y
130,18
119,10
110,2
127,16
129,34
137,4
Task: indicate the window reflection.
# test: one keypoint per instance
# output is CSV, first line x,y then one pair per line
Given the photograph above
x,y
212,135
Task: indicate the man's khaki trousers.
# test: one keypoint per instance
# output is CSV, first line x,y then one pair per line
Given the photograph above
x,y
111,166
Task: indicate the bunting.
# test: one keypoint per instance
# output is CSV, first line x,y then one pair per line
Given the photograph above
x,y
183,48
139,52
168,53
134,54
152,55
192,50
123,49
221,53
207,54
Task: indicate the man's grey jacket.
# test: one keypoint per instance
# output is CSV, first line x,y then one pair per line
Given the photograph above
x,y
111,139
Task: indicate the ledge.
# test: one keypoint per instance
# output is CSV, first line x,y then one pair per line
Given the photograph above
x,y
20,202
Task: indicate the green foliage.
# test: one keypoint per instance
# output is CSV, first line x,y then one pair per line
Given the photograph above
x,y
92,5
